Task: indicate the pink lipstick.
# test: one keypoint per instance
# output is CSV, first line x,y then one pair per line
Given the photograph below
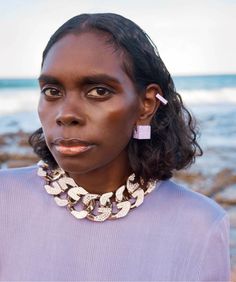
x,y
72,146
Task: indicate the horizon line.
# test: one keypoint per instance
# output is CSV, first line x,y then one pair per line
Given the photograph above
x,y
172,75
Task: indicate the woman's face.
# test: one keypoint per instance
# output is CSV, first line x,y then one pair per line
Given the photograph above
x,y
88,106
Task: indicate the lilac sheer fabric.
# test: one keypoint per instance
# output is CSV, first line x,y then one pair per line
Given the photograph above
x,y
175,235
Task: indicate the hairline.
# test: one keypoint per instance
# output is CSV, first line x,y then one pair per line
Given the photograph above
x,y
127,63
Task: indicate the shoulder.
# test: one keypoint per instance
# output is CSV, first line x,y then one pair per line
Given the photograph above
x,y
16,172
191,206
20,186
16,176
201,227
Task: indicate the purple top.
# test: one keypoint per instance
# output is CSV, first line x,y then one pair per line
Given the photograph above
x,y
175,235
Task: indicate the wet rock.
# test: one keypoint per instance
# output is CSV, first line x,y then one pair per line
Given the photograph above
x,y
232,216
212,185
207,185
188,177
233,274
223,179
15,150
3,157
233,270
20,163
3,140
233,239
23,141
227,196
191,179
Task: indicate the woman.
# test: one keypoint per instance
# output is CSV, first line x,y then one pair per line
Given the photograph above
x,y
113,131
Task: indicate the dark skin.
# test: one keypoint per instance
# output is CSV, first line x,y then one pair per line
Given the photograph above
x,y
87,95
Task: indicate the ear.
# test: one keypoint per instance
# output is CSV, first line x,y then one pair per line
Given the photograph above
x,y
149,104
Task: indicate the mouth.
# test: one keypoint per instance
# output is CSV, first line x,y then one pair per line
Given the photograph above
x,y
71,146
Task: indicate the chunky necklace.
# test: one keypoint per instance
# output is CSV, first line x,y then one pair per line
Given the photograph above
x,y
82,204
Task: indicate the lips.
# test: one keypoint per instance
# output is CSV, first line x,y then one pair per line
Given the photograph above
x,y
72,146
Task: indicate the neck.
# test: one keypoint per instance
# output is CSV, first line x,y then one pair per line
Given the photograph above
x,y
105,179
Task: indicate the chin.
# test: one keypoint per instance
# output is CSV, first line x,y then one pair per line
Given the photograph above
x,y
72,165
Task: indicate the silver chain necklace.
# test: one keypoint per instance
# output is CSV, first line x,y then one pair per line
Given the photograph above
x,y
82,204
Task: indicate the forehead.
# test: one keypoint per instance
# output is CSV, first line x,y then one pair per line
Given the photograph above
x,y
84,53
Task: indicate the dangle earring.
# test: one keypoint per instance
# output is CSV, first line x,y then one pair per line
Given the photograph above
x,y
142,132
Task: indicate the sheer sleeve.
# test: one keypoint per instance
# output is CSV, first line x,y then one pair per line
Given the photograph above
x,y
215,261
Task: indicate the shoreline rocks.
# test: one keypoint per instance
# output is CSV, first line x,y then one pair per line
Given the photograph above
x,y
15,150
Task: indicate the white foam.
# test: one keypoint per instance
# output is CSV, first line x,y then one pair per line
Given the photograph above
x,y
25,100
26,121
14,101
204,96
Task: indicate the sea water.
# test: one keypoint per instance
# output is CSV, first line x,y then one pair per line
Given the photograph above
x,y
210,98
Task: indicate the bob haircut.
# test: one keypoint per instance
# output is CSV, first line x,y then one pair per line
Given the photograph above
x,y
173,143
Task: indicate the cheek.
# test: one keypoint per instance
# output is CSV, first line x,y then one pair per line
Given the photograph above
x,y
41,110
126,114
45,113
44,116
120,122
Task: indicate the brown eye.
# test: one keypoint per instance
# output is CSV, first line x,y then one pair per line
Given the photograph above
x,y
51,92
99,92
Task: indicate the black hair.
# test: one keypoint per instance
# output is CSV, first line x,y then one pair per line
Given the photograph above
x,y
173,144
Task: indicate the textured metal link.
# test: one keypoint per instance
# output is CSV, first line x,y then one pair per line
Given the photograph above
x,y
82,204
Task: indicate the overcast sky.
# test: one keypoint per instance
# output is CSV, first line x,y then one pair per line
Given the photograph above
x,y
192,36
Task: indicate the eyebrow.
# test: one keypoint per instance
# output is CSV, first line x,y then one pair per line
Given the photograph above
x,y
99,78
91,79
48,79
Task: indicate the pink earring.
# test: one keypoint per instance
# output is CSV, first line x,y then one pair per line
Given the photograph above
x,y
160,98
142,132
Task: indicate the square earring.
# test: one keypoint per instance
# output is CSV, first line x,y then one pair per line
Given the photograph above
x,y
142,132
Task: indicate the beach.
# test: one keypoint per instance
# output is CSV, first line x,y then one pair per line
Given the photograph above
x,y
211,99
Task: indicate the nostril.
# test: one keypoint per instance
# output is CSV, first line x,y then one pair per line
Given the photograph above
x,y
74,122
59,122
68,121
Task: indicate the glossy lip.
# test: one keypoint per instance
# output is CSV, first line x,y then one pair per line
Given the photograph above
x,y
71,146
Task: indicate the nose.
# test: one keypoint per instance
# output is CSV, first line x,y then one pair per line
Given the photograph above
x,y
68,120
70,114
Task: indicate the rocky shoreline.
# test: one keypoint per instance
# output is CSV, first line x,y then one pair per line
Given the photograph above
x,y
16,152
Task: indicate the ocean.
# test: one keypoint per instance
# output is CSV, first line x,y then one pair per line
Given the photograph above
x,y
210,98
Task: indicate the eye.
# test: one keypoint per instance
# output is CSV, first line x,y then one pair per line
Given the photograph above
x,y
51,92
99,92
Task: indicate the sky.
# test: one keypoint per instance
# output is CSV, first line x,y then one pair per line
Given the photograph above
x,y
192,37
